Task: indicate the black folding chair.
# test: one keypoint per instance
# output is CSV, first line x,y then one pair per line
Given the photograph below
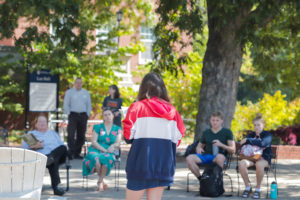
x,y
68,166
202,167
271,168
4,135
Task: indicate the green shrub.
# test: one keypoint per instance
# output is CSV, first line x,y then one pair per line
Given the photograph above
x,y
275,109
15,136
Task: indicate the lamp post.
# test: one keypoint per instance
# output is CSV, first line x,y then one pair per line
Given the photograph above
x,y
119,19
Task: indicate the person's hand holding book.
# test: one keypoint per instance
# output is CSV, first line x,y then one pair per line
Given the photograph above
x,y
38,145
32,141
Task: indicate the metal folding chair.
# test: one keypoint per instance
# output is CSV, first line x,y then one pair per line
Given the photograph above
x,y
202,167
271,168
117,165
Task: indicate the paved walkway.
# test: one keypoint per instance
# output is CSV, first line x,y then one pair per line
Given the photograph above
x,y
288,178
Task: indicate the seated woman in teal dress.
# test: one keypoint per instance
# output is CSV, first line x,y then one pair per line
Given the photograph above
x,y
100,157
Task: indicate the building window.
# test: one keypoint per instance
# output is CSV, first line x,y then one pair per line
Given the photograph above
x,y
103,44
148,38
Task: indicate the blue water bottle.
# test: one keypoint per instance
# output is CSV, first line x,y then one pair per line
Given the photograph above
x,y
273,194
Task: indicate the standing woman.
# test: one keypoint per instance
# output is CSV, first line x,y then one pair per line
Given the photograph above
x,y
262,139
154,128
100,157
114,102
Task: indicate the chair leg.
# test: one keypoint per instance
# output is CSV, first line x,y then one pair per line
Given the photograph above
x,y
238,180
116,175
85,182
68,167
230,181
267,185
118,179
67,189
82,182
187,182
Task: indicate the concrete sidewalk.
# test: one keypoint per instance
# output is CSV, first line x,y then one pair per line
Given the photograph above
x,y
288,178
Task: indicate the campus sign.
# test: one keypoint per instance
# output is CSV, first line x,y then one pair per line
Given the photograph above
x,y
43,91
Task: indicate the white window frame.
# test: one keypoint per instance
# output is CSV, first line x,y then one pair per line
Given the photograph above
x,y
146,37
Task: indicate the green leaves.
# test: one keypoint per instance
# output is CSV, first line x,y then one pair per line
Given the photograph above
x,y
276,110
61,36
275,52
177,19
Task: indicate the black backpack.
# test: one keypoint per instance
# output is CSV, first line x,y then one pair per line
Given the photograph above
x,y
211,182
191,149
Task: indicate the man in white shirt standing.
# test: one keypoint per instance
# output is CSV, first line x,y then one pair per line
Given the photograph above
x,y
77,105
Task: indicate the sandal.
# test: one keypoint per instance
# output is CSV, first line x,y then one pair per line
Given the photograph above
x,y
104,186
256,195
246,193
98,186
101,186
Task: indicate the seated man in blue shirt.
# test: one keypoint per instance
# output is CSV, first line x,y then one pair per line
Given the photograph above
x,y
50,145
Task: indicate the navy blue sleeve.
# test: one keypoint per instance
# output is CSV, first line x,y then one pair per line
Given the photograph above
x,y
264,141
251,135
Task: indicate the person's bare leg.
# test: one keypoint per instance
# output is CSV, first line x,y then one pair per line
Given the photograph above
x,y
243,169
192,161
155,193
98,170
134,195
102,174
219,159
98,167
260,171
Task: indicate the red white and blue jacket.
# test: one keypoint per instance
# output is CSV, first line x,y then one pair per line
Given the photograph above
x,y
155,129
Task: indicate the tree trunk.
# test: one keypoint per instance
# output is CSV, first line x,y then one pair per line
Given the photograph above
x,y
220,74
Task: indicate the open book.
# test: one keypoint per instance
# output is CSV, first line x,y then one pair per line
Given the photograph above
x,y
30,139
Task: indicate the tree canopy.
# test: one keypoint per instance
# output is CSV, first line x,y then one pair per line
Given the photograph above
x,y
270,29
61,36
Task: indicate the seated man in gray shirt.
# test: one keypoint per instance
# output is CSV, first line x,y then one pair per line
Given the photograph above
x,y
50,145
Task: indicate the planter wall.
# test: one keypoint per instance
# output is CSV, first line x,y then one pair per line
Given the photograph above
x,y
288,151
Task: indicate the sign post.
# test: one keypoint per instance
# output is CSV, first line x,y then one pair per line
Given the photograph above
x,y
42,93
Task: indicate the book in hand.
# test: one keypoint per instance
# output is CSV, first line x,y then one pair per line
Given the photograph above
x,y
30,139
